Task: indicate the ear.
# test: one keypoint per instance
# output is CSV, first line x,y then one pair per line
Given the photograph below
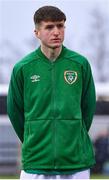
x,y
36,33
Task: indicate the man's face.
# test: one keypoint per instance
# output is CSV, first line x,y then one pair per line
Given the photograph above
x,y
51,34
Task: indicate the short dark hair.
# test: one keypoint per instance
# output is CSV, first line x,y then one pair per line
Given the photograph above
x,y
48,13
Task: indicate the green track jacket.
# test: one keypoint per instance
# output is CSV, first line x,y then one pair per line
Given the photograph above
x,y
51,106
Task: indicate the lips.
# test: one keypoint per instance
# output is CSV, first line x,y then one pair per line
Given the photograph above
x,y
56,39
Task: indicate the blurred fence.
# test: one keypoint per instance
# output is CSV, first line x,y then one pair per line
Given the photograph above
x,y
9,148
9,143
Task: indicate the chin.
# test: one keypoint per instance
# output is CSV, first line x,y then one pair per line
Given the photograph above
x,y
56,46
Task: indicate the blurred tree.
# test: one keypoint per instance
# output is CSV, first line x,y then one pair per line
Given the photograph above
x,y
32,42
98,38
11,54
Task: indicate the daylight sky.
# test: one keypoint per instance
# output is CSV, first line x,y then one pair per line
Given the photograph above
x,y
16,23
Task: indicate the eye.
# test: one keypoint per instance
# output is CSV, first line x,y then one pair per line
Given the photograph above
x,y
49,27
59,26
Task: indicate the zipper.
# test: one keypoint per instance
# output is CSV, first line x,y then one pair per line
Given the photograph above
x,y
53,112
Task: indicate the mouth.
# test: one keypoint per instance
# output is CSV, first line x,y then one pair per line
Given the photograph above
x,y
56,40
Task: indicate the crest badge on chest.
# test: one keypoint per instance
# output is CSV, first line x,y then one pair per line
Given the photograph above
x,y
70,76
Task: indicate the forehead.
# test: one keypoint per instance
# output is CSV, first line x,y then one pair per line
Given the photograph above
x,y
45,23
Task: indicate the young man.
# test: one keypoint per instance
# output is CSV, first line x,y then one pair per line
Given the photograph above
x,y
51,102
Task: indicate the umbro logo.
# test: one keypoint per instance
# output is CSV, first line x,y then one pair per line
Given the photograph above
x,y
35,78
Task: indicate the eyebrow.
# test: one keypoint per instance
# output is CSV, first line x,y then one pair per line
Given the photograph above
x,y
52,25
49,26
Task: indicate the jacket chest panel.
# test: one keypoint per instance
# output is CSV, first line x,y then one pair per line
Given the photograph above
x,y
52,89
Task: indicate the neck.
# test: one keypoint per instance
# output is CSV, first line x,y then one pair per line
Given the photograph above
x,y
51,53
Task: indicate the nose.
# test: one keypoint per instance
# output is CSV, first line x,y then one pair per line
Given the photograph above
x,y
56,31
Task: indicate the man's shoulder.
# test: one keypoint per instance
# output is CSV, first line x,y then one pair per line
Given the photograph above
x,y
76,57
26,60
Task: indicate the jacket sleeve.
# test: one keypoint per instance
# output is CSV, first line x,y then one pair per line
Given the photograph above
x,y
15,105
88,96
